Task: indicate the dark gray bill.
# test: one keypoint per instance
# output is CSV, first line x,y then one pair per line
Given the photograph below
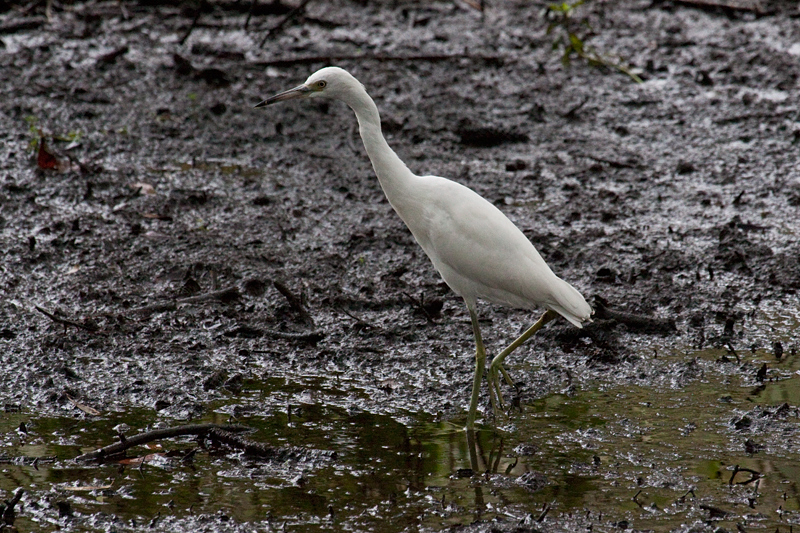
x,y
292,94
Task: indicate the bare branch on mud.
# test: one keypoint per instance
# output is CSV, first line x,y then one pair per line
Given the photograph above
x,y
200,9
157,434
227,295
430,310
88,326
634,322
311,337
308,60
612,162
250,13
295,302
572,111
753,6
154,308
279,26
25,24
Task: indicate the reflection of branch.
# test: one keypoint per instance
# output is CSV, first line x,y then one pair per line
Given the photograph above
x,y
157,434
8,512
754,475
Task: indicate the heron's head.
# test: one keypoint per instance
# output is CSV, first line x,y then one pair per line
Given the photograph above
x,y
328,82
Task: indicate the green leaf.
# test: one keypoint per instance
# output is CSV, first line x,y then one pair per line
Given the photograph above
x,y
576,43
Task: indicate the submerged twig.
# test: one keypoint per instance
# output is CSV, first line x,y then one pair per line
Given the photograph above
x,y
8,513
263,451
157,434
755,475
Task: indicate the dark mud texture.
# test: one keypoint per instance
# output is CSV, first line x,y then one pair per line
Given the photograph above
x,y
185,244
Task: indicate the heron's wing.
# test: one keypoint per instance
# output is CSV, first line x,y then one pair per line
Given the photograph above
x,y
470,238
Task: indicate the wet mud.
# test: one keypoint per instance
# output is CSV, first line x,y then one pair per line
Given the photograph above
x,y
176,257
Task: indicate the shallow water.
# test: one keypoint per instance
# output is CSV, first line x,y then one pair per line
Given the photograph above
x,y
642,456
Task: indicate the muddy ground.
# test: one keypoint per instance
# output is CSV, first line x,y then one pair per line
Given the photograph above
x,y
192,258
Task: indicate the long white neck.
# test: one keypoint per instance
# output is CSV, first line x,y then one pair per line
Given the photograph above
x,y
394,176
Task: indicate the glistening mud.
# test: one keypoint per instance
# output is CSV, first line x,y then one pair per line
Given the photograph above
x,y
653,458
200,261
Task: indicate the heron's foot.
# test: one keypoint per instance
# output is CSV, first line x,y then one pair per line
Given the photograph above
x,y
495,393
495,396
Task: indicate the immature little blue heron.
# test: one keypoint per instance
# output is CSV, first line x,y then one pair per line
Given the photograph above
x,y
478,251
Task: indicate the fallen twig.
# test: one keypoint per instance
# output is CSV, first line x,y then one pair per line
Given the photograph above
x,y
311,337
307,60
88,326
289,16
612,162
153,308
728,5
223,295
22,25
227,295
200,8
570,114
634,322
263,451
295,302
157,434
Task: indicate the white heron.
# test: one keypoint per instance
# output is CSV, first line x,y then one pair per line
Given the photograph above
x,y
477,250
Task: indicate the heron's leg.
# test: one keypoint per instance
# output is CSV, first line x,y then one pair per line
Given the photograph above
x,y
480,364
497,363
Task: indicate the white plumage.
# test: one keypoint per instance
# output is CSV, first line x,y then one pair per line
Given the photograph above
x,y
477,250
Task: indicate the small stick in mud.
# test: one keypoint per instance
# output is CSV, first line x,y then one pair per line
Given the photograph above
x,y
632,321
157,434
295,302
88,326
289,16
203,5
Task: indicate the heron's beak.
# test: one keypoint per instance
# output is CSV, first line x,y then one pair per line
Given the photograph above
x,y
301,91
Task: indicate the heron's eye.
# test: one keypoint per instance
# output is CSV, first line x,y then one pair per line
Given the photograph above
x,y
321,84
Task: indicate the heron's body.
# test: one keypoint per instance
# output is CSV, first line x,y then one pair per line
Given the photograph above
x,y
477,250
513,258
